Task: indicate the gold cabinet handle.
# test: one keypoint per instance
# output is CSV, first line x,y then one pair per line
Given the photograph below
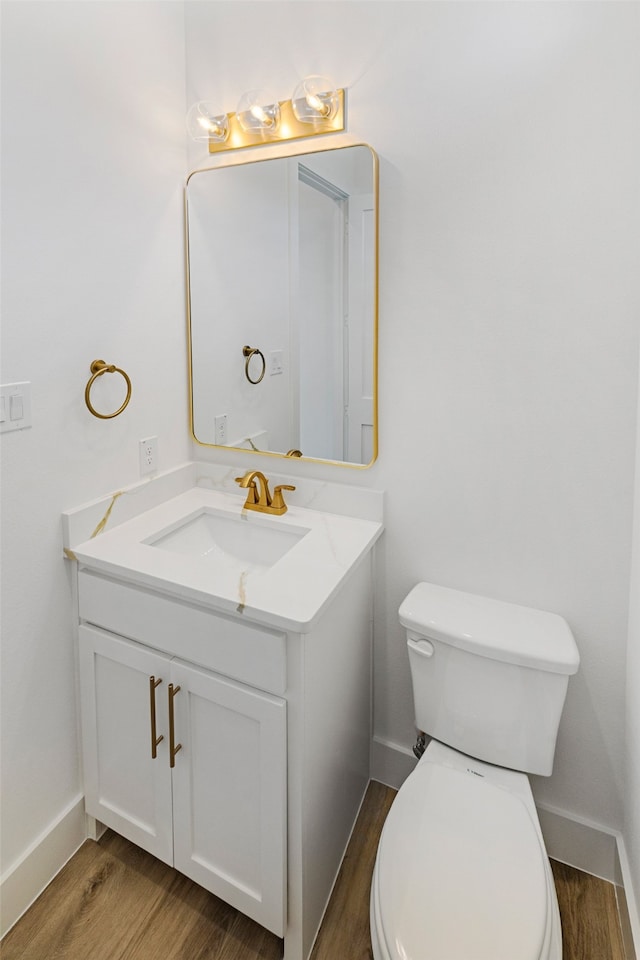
x,y
173,748
155,740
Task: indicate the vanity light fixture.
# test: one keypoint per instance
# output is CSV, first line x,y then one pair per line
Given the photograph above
x,y
315,107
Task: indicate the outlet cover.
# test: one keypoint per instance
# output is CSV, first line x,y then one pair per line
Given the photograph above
x,y
148,451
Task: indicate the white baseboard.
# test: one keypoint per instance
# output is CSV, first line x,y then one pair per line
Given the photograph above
x,y
26,879
568,838
391,763
580,843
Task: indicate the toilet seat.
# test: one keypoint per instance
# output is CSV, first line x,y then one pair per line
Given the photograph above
x,y
461,870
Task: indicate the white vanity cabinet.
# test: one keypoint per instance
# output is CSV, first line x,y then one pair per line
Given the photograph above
x,y
274,728
189,765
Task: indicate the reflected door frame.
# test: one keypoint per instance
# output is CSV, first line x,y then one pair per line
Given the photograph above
x,y
339,372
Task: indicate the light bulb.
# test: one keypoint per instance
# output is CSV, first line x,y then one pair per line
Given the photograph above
x,y
315,99
324,109
258,112
205,122
261,116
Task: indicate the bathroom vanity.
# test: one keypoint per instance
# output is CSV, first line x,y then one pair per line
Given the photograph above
x,y
225,654
225,674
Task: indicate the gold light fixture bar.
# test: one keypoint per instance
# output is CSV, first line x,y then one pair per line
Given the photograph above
x,y
289,128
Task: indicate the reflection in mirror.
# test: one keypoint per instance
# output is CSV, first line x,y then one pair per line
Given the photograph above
x,y
282,275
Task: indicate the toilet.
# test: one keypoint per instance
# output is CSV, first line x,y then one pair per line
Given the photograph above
x,y
461,871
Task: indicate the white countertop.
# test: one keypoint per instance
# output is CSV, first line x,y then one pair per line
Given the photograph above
x,y
289,595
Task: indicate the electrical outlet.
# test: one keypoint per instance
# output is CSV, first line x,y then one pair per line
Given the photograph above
x,y
148,450
221,429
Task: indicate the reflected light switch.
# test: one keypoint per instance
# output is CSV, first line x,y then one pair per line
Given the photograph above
x,y
275,363
16,407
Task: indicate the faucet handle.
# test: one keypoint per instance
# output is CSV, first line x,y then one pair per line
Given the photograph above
x,y
278,499
252,492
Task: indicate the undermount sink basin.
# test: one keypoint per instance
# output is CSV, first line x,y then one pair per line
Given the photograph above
x,y
250,540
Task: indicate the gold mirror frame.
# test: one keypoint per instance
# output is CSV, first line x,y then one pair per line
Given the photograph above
x,y
374,318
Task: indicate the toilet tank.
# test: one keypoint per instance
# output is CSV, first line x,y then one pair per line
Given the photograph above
x,y
489,678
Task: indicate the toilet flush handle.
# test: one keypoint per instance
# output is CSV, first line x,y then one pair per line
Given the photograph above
x,y
421,646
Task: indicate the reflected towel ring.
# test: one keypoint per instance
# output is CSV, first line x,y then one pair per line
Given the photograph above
x,y
249,352
98,367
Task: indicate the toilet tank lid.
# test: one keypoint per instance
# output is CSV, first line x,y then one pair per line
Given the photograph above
x,y
491,628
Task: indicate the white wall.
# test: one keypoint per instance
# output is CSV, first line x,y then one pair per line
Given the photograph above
x,y
509,151
237,302
93,166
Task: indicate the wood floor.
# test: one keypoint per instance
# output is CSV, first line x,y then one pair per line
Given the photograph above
x,y
112,901
590,922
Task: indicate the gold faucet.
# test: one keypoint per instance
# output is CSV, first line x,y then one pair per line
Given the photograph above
x,y
261,499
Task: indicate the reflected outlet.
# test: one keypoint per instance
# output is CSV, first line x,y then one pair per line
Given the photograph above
x,y
221,429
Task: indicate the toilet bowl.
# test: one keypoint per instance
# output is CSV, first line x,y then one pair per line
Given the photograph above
x,y
461,871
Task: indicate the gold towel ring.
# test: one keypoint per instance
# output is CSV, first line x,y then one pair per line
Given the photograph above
x,y
249,352
98,367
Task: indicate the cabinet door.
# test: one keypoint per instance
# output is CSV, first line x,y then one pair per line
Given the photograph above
x,y
229,792
126,788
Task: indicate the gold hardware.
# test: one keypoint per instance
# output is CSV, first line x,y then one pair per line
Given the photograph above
x,y
153,683
173,748
278,505
249,352
293,453
98,367
252,493
289,128
262,501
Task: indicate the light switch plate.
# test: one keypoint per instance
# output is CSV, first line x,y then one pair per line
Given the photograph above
x,y
16,406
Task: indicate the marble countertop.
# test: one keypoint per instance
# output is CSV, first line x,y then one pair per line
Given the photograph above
x,y
290,594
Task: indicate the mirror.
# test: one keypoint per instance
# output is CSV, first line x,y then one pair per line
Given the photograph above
x,y
282,303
